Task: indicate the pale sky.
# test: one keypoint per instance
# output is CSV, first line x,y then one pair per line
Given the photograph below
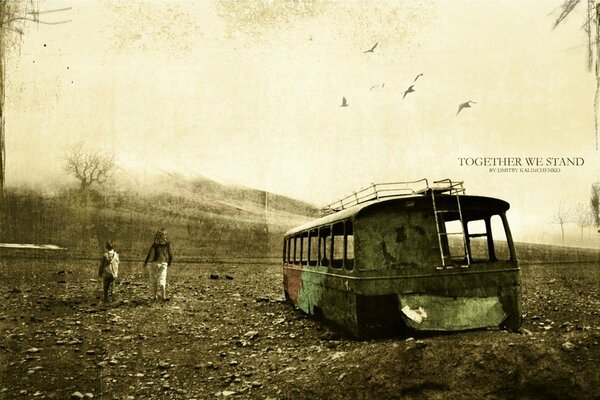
x,y
250,93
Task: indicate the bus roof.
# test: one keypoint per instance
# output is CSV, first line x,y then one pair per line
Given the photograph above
x,y
489,202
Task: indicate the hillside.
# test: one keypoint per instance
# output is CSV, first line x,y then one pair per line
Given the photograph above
x,y
205,219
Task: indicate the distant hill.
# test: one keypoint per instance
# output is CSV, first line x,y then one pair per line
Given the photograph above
x,y
204,218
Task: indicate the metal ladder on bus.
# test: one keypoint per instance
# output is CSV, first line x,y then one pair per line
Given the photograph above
x,y
456,189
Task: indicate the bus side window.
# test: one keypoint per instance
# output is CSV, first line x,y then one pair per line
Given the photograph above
x,y
324,245
286,250
304,248
295,255
313,247
349,246
337,245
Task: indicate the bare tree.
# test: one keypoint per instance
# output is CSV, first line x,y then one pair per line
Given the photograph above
x,y
90,168
592,15
562,216
583,217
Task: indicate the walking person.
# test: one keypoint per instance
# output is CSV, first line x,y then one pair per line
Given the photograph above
x,y
161,259
109,270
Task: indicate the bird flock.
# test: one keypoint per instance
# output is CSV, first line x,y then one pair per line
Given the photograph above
x,y
409,90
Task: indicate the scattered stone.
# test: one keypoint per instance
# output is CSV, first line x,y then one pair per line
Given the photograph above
x,y
213,276
89,395
33,350
211,365
251,335
227,393
164,365
76,395
256,384
229,277
568,346
90,352
420,344
139,375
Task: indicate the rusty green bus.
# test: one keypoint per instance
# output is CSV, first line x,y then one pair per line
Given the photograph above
x,y
403,255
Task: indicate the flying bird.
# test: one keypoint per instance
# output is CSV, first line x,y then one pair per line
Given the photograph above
x,y
374,86
465,105
372,49
417,77
344,102
409,90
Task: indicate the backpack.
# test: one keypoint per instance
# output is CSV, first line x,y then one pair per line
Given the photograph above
x,y
112,267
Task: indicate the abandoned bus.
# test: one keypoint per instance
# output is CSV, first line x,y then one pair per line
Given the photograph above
x,y
407,254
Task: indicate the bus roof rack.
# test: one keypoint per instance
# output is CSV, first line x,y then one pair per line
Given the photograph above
x,y
379,191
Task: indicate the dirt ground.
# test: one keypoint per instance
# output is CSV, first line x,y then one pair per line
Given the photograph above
x,y
234,336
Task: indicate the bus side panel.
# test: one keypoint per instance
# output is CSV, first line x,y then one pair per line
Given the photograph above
x,y
292,283
338,306
511,303
323,296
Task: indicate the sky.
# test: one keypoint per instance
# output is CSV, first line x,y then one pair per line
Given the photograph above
x,y
250,92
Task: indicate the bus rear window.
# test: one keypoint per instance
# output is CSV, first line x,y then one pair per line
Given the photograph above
x,y
478,240
501,249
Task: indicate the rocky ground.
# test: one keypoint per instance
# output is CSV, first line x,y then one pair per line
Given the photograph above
x,y
232,335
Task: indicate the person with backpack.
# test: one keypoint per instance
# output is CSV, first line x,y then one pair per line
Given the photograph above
x,y
109,270
160,253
